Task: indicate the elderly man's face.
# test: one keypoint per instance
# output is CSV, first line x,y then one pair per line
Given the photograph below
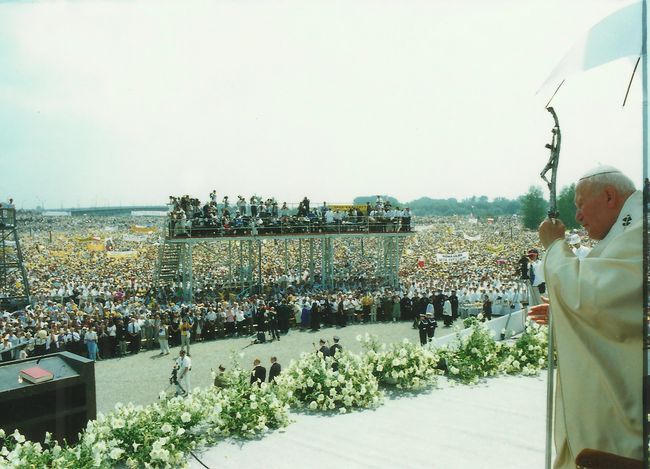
x,y
593,211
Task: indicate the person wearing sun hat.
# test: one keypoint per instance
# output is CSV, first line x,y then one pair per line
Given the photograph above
x,y
576,246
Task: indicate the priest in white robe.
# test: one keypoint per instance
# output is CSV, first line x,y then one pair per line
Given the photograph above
x,y
597,309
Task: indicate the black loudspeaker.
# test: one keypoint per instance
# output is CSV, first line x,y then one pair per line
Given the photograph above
x,y
62,406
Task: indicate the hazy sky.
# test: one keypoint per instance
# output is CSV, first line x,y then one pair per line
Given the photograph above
x,y
130,102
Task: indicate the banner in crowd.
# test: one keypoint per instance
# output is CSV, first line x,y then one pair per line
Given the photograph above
x,y
143,229
89,239
471,238
148,213
56,214
453,257
346,208
135,238
96,247
122,254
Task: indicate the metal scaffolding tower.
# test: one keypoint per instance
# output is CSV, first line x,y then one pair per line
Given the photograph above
x,y
14,286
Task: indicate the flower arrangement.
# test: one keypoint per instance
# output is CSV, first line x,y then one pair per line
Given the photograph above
x,y
160,434
404,365
472,357
326,384
528,355
246,411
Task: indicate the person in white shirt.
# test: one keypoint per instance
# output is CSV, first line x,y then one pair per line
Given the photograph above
x,y
536,277
184,368
90,338
5,350
133,332
577,248
163,338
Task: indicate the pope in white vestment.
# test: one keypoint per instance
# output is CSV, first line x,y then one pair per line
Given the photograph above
x,y
597,309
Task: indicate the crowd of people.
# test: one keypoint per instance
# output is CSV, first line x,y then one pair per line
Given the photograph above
x,y
102,306
258,216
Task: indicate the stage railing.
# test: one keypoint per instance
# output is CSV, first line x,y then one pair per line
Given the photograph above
x,y
203,228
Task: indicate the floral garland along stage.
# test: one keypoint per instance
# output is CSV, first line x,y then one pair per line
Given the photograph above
x,y
162,434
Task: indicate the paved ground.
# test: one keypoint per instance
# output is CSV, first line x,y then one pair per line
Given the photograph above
x,y
140,378
499,424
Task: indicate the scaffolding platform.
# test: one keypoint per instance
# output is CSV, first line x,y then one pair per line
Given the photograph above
x,y
313,246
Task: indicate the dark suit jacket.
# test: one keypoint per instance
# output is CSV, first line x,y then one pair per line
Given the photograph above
x,y
274,371
258,374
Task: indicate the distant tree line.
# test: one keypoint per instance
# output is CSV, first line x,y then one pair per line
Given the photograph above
x,y
532,207
480,207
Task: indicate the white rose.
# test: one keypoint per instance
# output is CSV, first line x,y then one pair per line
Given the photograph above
x,y
186,417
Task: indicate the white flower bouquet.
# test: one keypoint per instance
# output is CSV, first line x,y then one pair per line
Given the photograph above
x,y
404,365
324,384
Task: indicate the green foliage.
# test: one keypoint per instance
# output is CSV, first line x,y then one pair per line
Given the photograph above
x,y
566,206
479,206
470,321
361,200
533,208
